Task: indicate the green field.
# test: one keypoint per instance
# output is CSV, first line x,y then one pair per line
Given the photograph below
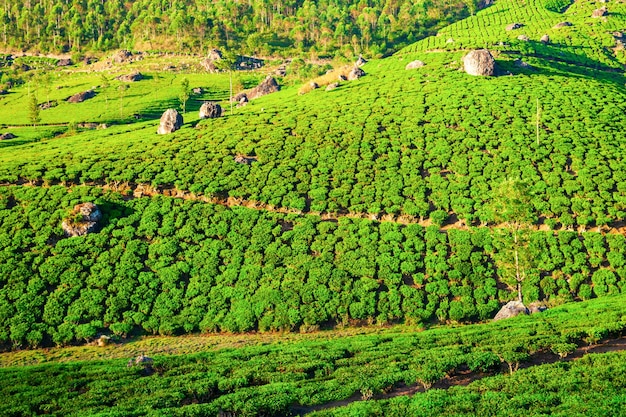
x,y
361,253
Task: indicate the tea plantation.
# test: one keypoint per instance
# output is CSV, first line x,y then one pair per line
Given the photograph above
x,y
405,199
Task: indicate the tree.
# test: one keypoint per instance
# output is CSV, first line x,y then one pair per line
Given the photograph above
x,y
33,110
105,85
122,90
512,208
184,94
227,63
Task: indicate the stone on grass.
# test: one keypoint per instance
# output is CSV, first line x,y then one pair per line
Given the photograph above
x,y
131,78
545,39
83,219
602,11
332,86
562,25
414,65
80,97
170,122
6,136
511,309
479,62
355,73
210,110
268,85
514,26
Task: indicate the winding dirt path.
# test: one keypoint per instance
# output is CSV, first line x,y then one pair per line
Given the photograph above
x,y
465,377
136,190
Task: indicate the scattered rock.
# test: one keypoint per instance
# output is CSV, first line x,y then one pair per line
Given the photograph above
x,y
246,160
3,92
208,65
414,65
360,62
130,78
355,73
88,60
536,308
562,25
210,110
66,62
281,71
332,86
523,38
511,309
170,122
83,219
48,104
122,56
103,341
214,55
313,85
514,26
450,40
143,360
88,125
25,67
268,86
102,126
618,35
479,62
342,77
198,90
545,39
521,64
80,97
600,12
6,136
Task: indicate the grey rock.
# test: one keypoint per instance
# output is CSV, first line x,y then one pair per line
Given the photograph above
x,y
511,309
170,122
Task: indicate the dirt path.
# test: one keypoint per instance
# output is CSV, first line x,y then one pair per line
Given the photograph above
x,y
465,377
133,191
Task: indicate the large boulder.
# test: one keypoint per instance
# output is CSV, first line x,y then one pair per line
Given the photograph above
x,y
210,110
131,78
170,122
80,97
479,62
600,12
414,65
6,136
511,309
122,56
268,86
355,73
83,219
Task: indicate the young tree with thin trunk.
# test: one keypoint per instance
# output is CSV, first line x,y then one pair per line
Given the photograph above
x,y
33,110
184,94
513,211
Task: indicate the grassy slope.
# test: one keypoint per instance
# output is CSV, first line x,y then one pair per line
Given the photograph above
x,y
270,376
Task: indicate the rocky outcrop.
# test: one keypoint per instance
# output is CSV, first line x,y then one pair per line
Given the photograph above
x,y
355,73
414,65
511,309
122,56
170,122
602,11
6,136
208,63
131,78
479,62
83,219
80,97
245,160
268,86
66,62
562,25
514,26
210,110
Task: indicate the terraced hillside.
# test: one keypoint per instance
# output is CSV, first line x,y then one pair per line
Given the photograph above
x,y
374,202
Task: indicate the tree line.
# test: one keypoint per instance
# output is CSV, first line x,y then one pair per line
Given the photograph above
x,y
254,26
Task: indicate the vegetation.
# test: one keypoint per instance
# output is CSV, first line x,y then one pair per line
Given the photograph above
x,y
276,378
167,266
265,27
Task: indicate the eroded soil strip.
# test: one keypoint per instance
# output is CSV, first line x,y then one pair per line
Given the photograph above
x,y
132,191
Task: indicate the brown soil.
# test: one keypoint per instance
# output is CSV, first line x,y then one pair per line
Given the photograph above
x,y
132,191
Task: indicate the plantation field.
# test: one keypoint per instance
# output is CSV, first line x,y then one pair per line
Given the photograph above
x,y
169,266
279,378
